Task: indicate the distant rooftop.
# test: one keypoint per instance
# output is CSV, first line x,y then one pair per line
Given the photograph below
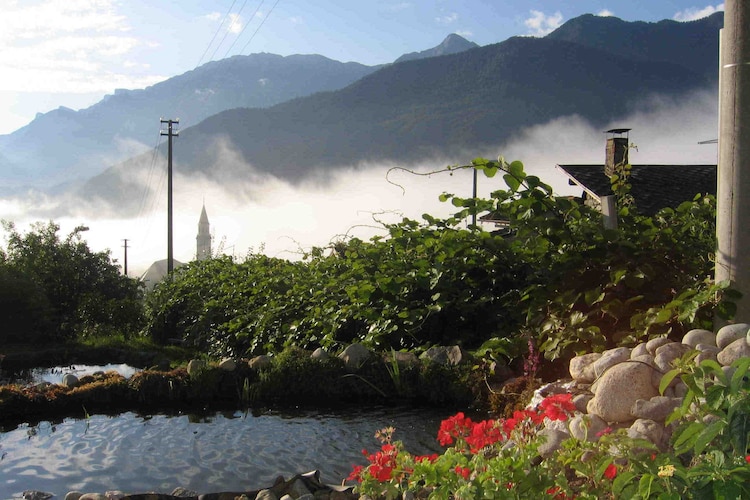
x,y
652,186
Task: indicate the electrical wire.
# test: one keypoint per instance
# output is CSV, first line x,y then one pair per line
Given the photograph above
x,y
244,28
227,32
226,16
261,25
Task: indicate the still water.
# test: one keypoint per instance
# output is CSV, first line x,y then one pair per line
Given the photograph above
x,y
209,453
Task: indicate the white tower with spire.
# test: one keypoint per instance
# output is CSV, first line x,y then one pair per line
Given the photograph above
x,y
203,240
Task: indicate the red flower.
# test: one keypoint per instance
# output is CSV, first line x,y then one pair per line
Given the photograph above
x,y
428,458
356,474
608,430
484,433
463,471
747,459
457,426
611,471
558,406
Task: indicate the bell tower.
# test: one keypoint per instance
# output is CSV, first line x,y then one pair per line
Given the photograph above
x,y
203,240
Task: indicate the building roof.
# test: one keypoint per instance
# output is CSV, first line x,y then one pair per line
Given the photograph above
x,y
652,186
157,271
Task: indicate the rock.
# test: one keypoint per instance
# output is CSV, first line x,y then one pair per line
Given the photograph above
x,y
403,359
610,358
708,348
228,365
266,495
734,351
680,390
581,401
69,380
181,492
73,495
298,488
657,408
647,429
114,495
586,427
645,359
262,362
195,366
581,368
704,355
93,496
447,356
666,354
699,336
619,388
320,354
653,344
639,350
552,441
354,356
36,495
729,333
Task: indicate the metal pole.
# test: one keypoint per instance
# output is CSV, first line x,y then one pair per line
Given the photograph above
x,y
125,246
733,189
169,133
474,194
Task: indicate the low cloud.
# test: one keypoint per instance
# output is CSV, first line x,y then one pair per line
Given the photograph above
x,y
605,13
540,24
694,13
262,212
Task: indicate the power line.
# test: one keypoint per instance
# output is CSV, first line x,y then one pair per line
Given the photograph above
x,y
244,28
258,28
227,32
226,16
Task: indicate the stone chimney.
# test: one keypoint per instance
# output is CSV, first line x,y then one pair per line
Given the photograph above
x,y
617,150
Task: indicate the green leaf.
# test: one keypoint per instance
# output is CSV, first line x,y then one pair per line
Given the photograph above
x,y
708,434
667,379
516,169
512,182
687,437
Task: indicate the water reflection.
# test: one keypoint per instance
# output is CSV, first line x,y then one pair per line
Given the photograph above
x,y
202,452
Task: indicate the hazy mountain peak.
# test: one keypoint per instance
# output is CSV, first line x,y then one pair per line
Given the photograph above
x,y
452,44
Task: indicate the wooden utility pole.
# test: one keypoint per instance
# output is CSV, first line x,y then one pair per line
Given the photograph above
x,y
733,190
125,261
170,133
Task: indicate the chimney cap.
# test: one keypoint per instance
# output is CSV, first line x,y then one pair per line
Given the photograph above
x,y
618,131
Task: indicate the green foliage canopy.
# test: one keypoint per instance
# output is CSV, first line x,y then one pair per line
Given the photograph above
x,y
58,288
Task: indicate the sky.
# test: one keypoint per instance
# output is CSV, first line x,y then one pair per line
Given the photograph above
x,y
71,53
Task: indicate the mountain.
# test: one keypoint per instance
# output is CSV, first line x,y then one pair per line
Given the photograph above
x,y
65,143
453,44
430,108
682,43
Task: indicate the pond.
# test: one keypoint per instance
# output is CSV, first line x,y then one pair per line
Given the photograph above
x,y
233,451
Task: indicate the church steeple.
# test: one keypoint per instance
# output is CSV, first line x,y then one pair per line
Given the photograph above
x,y
203,240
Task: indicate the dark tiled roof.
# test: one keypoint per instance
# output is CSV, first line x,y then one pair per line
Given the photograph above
x,y
653,186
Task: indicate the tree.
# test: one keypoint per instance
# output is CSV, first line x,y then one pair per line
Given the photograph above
x,y
84,290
